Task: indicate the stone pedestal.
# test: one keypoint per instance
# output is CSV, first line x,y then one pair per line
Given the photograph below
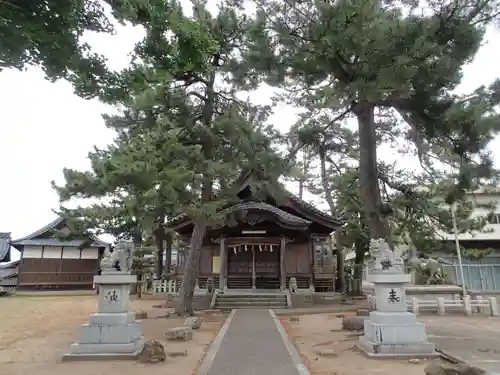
x,y
112,332
391,331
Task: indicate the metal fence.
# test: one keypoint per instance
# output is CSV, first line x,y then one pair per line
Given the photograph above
x,y
477,276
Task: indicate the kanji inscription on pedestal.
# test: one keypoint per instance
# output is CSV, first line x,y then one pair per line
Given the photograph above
x,y
393,296
112,296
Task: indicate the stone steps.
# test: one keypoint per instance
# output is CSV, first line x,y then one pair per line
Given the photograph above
x,y
246,301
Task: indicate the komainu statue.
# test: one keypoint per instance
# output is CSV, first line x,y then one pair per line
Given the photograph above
x,y
118,260
292,285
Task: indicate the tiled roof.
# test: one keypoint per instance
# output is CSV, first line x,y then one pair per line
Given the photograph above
x,y
259,206
242,181
32,239
4,245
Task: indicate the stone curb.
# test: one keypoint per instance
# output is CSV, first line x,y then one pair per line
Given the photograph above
x,y
446,355
290,348
209,358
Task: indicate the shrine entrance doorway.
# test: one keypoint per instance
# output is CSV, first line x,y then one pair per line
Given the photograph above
x,y
253,264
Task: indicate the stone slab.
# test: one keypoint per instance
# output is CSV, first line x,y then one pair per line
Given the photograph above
x,y
109,334
379,317
115,278
367,350
111,318
126,349
71,357
179,333
403,351
395,333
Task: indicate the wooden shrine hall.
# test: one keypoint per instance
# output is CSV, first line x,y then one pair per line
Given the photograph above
x,y
262,244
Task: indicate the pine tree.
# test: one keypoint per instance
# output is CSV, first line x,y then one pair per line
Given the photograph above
x,y
365,58
183,136
417,217
48,34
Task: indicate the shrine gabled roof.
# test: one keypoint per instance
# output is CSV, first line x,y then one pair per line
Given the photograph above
x,y
284,216
244,180
293,200
34,239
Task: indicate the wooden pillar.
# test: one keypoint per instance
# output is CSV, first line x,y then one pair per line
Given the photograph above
x,y
282,263
222,264
253,268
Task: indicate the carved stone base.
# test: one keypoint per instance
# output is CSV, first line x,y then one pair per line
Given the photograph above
x,y
395,335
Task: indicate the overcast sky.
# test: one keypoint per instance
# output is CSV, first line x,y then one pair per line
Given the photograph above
x,y
45,127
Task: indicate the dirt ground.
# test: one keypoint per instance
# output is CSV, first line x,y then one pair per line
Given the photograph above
x,y
37,331
323,331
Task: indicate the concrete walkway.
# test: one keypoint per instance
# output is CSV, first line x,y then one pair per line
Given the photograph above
x,y
472,339
254,343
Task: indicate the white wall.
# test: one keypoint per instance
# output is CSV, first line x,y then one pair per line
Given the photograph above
x,y
490,231
54,252
90,253
32,252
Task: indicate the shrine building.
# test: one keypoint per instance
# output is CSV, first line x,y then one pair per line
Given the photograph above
x,y
263,244
48,262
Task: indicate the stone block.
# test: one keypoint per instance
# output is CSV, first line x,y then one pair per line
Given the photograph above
x,y
179,334
109,334
443,368
193,321
294,319
178,353
328,353
141,315
152,352
363,312
353,323
111,318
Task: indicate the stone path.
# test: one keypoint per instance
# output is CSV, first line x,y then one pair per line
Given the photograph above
x,y
474,339
252,345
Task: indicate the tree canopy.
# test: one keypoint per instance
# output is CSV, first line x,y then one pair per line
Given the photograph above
x,y
183,133
367,61
183,137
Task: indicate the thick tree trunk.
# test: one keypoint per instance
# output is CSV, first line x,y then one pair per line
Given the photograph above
x,y
340,261
168,253
368,172
333,211
361,247
185,302
159,253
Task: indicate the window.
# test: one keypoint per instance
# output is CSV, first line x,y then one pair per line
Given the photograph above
x,y
322,253
493,218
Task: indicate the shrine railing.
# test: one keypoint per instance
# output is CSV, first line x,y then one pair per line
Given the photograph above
x,y
443,306
329,269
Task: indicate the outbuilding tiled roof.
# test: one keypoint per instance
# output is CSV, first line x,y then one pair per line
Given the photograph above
x,y
34,239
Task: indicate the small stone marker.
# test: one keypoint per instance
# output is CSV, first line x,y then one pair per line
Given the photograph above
x,y
179,334
328,353
353,323
178,353
141,315
294,319
442,368
152,352
193,321
363,312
